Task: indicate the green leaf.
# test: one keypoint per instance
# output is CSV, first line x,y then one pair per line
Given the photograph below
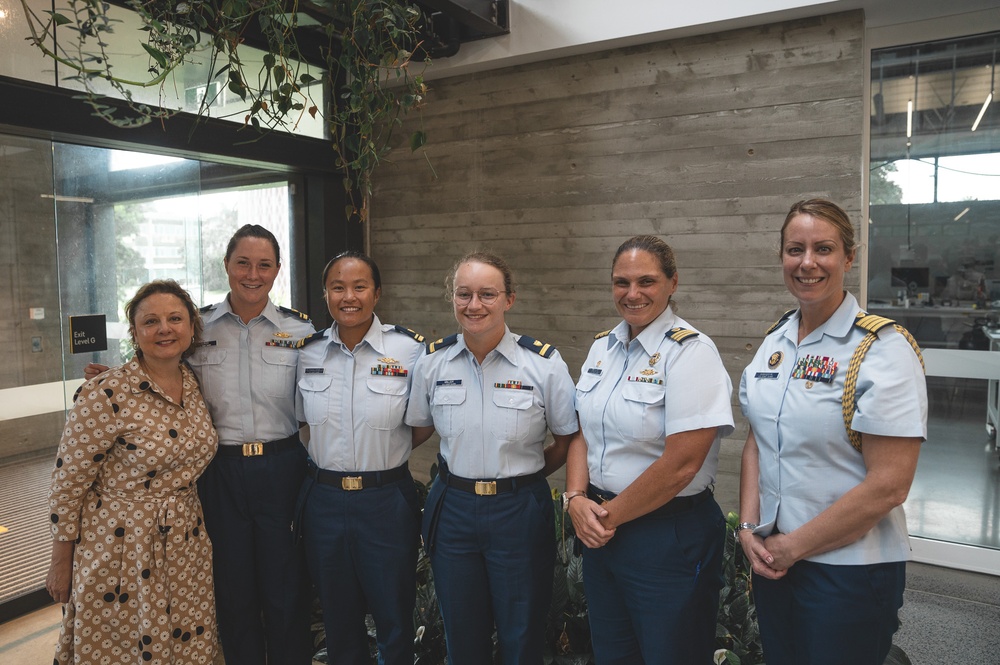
x,y
417,140
269,60
156,54
59,19
279,74
306,79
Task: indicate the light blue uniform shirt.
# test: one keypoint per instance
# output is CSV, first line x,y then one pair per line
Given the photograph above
x,y
247,372
632,396
354,402
806,460
492,418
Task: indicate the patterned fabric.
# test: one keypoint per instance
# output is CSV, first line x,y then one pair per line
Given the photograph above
x,y
124,490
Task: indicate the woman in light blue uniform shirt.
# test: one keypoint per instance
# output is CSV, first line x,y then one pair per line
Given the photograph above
x,y
360,513
488,524
654,404
821,518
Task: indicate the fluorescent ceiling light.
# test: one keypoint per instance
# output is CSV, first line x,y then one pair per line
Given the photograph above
x,y
961,214
982,111
909,118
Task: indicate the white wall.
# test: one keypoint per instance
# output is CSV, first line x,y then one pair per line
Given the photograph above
x,y
546,29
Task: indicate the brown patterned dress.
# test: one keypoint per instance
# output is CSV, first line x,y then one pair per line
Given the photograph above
x,y
124,490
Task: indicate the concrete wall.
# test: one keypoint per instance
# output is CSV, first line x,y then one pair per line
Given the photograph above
x,y
704,140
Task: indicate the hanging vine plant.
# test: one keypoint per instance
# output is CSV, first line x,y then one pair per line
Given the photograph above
x,y
367,47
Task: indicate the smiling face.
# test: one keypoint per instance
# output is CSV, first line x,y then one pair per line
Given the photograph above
x,y
252,268
351,295
640,288
162,327
814,262
478,319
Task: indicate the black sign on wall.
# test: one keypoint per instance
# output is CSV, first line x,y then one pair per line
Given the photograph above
x,y
88,333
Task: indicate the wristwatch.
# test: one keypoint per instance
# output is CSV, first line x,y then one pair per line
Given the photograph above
x,y
569,496
742,526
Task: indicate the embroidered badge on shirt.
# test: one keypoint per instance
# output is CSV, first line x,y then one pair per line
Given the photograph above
x,y
389,369
775,359
655,358
815,368
513,385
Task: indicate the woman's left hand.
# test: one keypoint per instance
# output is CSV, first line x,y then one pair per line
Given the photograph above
x,y
779,548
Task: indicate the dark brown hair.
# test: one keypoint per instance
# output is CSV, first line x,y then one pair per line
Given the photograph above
x,y
828,211
169,287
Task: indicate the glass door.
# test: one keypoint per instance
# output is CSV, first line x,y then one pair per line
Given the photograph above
x,y
81,228
934,267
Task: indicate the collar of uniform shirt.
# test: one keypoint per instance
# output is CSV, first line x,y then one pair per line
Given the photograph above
x,y
506,348
652,335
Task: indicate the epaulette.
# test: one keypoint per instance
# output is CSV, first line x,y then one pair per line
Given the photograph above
x,y
409,333
310,339
207,308
441,343
779,322
294,312
681,334
871,322
602,334
544,350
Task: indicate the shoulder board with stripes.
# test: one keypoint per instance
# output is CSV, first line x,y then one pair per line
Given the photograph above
x,y
777,324
294,312
871,322
441,343
207,308
602,334
679,335
409,333
310,339
532,344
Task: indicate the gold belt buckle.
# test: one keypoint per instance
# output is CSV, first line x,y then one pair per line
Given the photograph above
x,y
486,487
253,449
351,483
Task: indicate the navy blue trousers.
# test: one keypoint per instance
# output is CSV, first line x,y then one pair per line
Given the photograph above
x,y
493,559
821,614
653,590
361,548
261,589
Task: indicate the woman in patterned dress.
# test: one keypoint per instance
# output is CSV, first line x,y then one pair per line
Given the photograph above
x,y
130,557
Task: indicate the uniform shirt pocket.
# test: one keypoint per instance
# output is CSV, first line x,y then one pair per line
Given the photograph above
x,y
447,410
315,391
279,371
585,386
385,402
644,411
510,420
208,365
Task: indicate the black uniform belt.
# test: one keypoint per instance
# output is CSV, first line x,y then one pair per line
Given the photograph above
x,y
358,480
491,487
678,504
258,448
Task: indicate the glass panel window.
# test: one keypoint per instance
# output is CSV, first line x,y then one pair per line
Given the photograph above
x,y
934,264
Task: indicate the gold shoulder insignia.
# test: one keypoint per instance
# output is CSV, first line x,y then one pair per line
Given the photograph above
x,y
294,312
602,334
310,339
871,322
679,335
777,324
542,349
441,343
409,333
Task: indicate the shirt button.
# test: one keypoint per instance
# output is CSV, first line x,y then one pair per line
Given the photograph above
x,y
510,401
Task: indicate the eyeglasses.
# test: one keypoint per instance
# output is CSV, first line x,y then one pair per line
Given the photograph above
x,y
486,296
